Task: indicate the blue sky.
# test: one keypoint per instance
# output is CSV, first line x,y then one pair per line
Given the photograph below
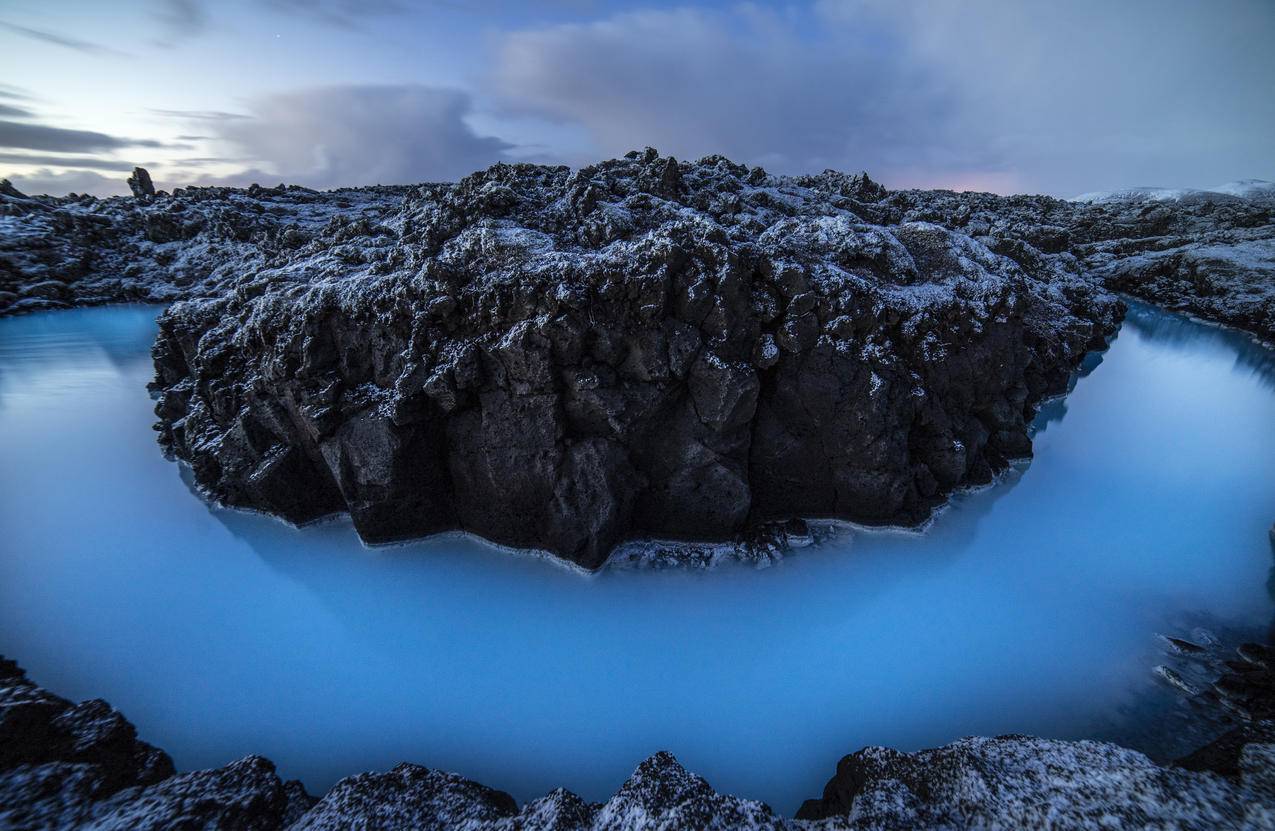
x,y
1002,95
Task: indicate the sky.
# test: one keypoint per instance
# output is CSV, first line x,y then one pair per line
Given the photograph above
x,y
1008,96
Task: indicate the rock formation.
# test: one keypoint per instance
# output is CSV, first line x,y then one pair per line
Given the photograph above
x,y
140,183
80,250
642,348
64,765
1206,253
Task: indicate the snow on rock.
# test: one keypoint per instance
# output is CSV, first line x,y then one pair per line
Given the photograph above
x,y
1014,782
159,247
1202,252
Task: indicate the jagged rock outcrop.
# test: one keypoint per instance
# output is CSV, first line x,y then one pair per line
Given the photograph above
x,y
642,348
64,766
1210,253
140,183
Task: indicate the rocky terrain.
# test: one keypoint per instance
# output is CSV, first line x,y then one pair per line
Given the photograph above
x,y
159,247
1210,254
65,765
640,349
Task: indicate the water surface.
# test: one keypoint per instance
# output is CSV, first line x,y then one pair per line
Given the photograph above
x,y
1032,606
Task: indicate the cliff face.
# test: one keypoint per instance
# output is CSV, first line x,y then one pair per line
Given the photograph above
x,y
643,348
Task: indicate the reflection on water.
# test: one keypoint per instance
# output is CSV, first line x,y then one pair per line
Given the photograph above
x,y
1182,334
1032,606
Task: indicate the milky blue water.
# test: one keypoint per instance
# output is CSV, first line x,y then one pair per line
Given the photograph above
x,y
1032,606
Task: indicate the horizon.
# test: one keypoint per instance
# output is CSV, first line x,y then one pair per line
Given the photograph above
x,y
994,96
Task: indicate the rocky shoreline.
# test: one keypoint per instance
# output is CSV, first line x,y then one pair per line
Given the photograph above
x,y
65,765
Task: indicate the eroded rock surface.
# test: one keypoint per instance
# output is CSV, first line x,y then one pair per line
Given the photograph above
x,y
642,348
1211,254
81,766
80,250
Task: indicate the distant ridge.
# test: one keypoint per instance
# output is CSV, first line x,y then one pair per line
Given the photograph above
x,y
1242,188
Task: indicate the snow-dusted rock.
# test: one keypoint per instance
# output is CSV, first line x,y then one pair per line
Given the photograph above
x,y
638,349
1209,253
159,248
1013,782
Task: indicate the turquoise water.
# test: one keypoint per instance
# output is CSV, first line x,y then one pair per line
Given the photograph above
x,y
1032,606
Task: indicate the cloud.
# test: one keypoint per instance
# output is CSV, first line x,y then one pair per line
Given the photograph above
x,y
14,112
743,82
77,181
16,134
66,161
343,14
1060,97
83,46
199,115
14,93
360,135
180,19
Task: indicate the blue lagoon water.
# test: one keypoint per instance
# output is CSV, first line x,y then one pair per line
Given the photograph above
x,y
1032,606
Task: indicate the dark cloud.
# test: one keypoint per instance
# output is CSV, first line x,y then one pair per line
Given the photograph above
x,y
14,112
180,19
15,134
199,115
74,181
66,161
14,93
205,161
745,83
1061,97
84,46
360,135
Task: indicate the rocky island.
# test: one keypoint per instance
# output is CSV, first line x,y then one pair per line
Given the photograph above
x,y
643,348
565,360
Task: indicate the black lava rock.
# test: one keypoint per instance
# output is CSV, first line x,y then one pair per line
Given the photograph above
x,y
642,348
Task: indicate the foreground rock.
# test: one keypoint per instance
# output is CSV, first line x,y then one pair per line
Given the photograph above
x,y
643,348
67,766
